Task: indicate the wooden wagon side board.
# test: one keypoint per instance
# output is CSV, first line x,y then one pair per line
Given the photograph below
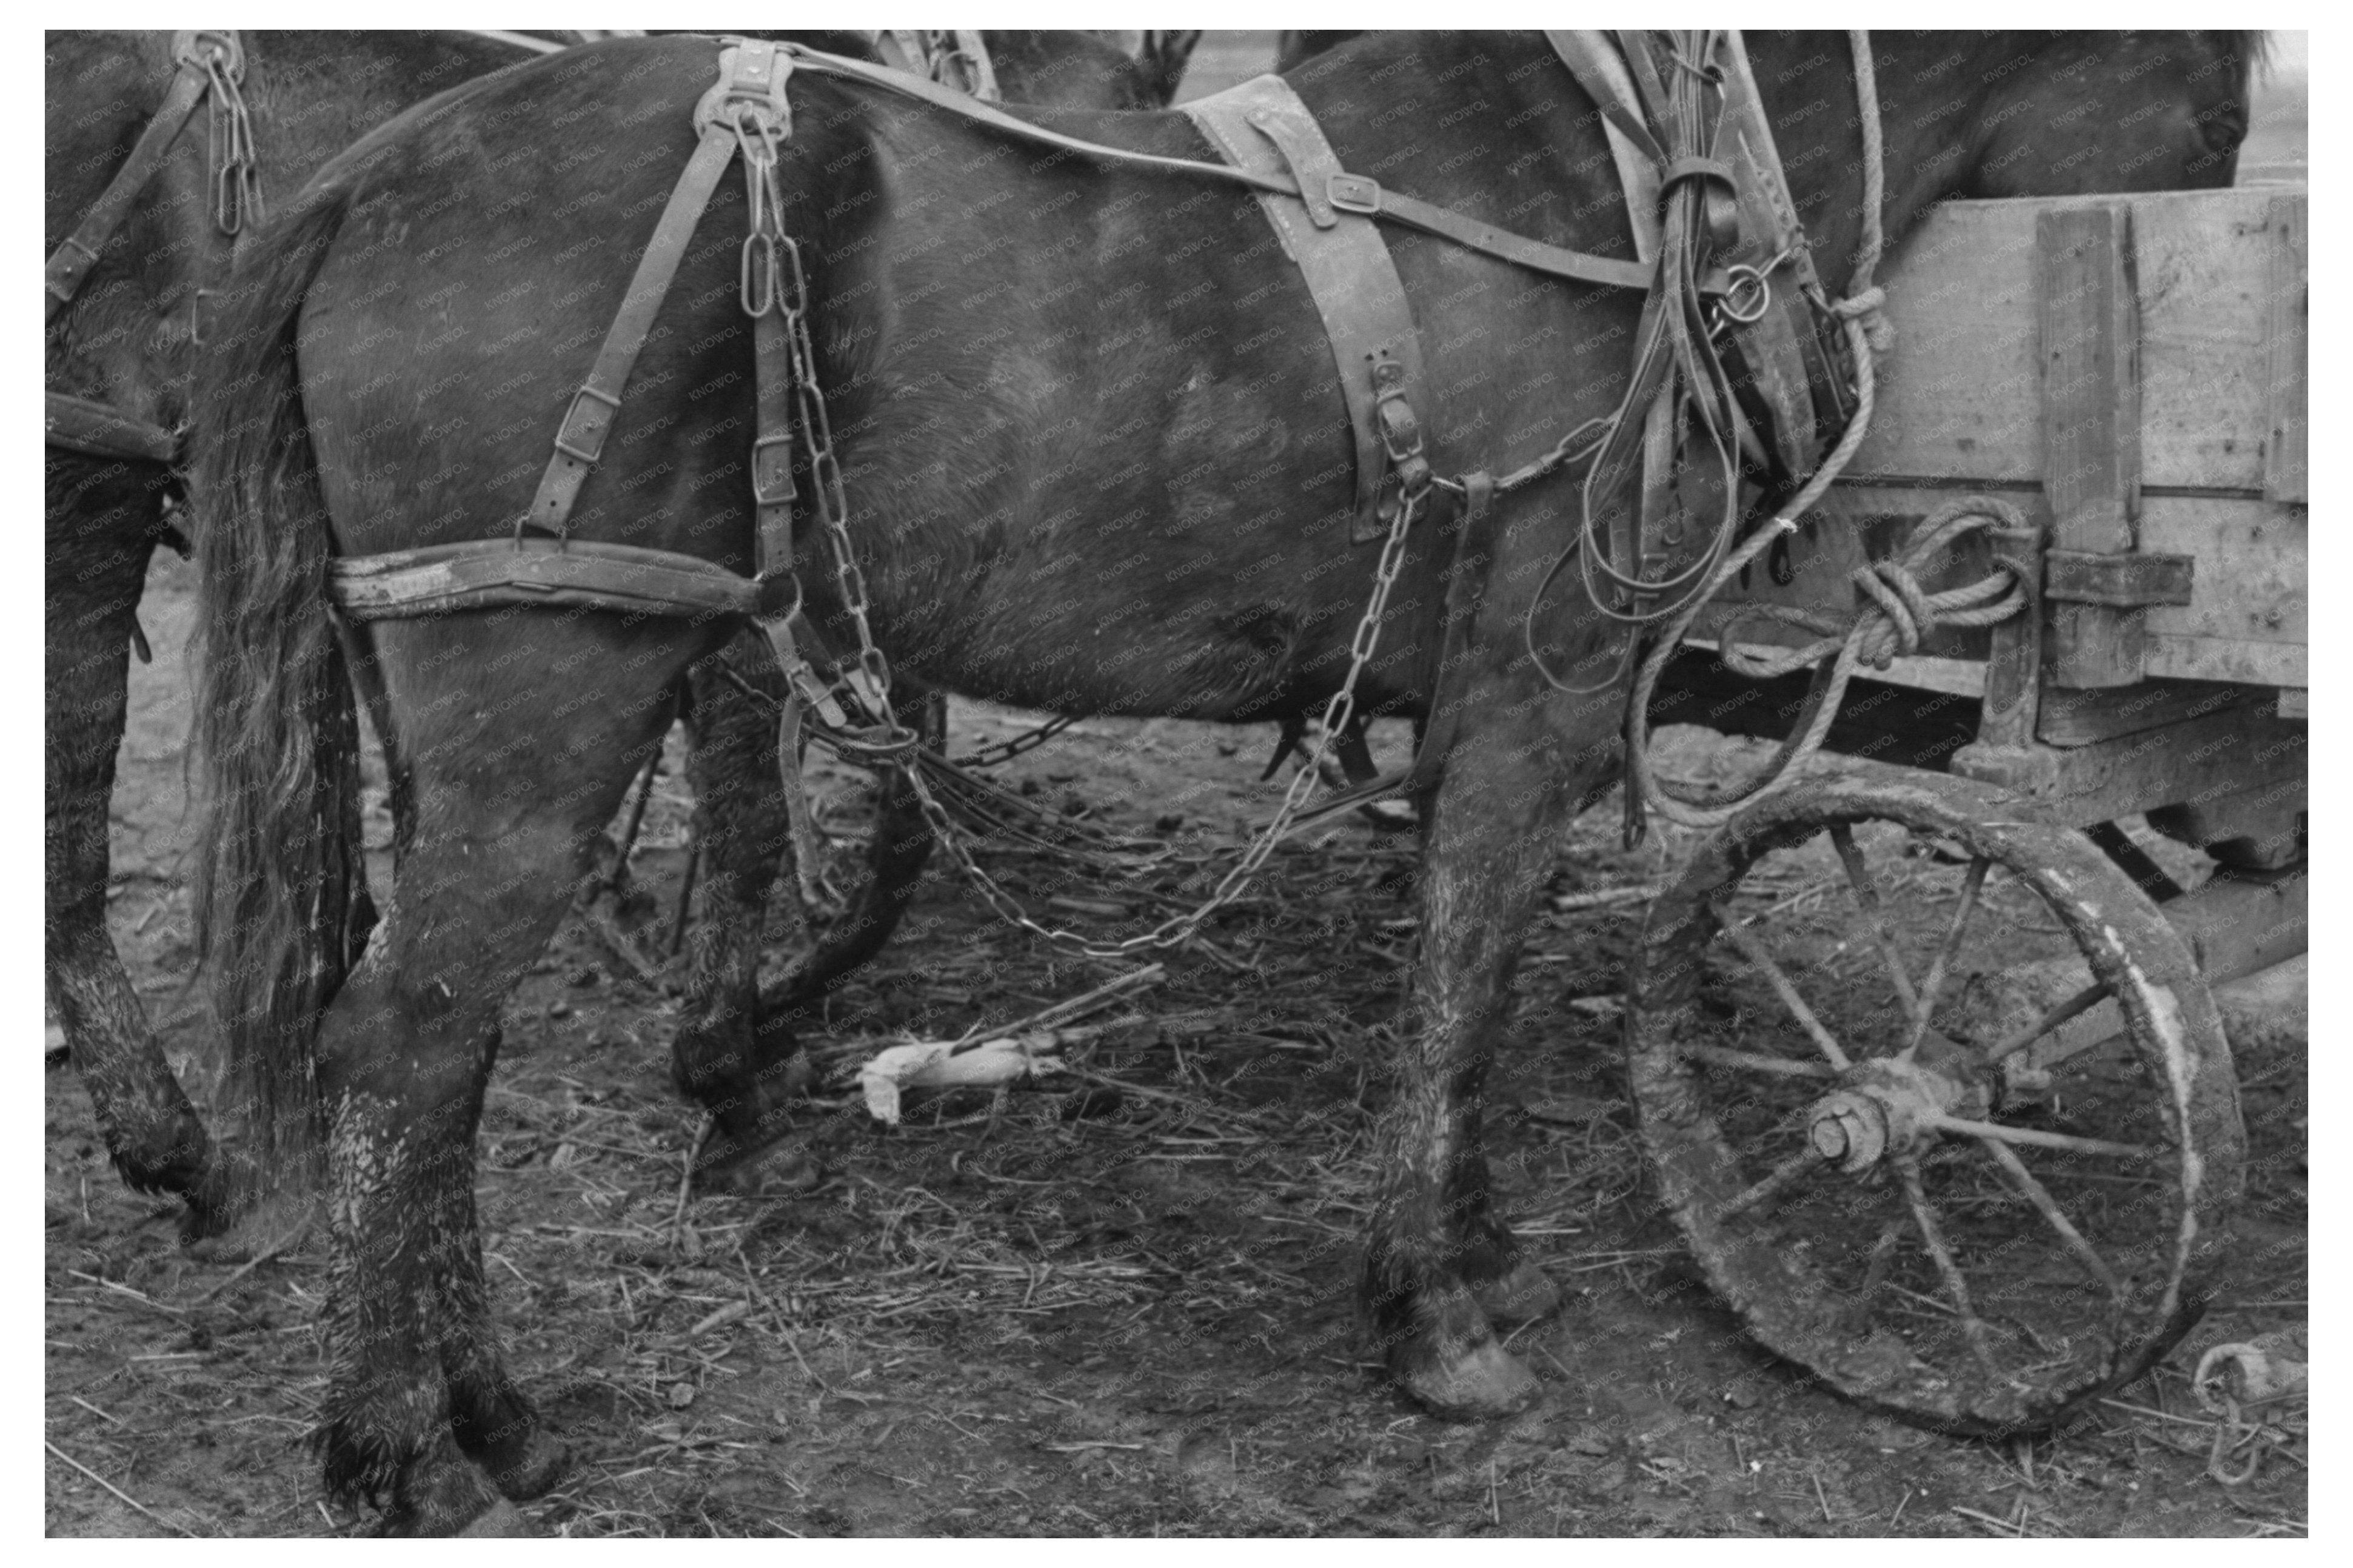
x,y
2218,275
2212,344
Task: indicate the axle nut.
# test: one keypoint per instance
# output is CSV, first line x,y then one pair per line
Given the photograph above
x,y
1850,1130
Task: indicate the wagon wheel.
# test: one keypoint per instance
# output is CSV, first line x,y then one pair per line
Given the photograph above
x,y
878,844
1815,1025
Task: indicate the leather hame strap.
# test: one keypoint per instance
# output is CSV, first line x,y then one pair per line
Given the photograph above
x,y
1260,124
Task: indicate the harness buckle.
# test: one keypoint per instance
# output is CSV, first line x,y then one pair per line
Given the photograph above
x,y
66,273
1360,194
586,423
772,470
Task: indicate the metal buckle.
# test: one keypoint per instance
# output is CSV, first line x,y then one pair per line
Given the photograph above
x,y
1358,193
772,471
590,443
66,273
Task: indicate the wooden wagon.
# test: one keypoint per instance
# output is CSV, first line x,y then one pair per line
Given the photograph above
x,y
1936,1090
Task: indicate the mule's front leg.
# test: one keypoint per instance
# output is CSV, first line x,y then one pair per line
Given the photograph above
x,y
1439,1267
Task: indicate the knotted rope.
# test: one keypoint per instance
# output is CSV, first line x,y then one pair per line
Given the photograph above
x,y
1900,614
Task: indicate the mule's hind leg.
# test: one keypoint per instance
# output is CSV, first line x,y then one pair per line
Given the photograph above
x,y
741,1066
512,788
1438,1258
735,1052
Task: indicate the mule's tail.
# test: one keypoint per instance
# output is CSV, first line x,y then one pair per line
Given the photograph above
x,y
280,887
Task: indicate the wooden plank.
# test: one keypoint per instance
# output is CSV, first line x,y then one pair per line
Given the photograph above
x,y
2230,751
1956,395
2294,702
2088,319
2211,659
2287,335
2080,718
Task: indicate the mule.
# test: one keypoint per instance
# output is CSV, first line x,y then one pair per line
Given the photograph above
x,y
128,341
1088,424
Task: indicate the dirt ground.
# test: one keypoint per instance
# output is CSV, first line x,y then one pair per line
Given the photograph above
x,y
1117,1304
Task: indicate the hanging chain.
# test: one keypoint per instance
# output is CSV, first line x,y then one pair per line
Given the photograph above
x,y
897,744
236,170
1178,928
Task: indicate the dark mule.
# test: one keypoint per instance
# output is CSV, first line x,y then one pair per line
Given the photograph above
x,y
1097,461
124,341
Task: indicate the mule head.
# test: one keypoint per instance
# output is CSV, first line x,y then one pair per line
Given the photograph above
x,y
2075,113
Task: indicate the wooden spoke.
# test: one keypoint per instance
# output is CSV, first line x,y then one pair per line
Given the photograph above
x,y
1754,951
1875,913
2048,1206
2029,1136
2075,1006
1755,1062
1935,982
1972,1327
1783,1177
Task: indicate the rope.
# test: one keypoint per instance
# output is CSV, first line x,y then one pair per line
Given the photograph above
x,y
1899,617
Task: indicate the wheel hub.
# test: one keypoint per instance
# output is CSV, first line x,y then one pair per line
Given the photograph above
x,y
1889,1107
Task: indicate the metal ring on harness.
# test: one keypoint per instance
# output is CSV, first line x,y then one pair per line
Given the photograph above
x,y
1748,295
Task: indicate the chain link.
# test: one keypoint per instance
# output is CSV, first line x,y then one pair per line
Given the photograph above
x,y
1178,928
895,750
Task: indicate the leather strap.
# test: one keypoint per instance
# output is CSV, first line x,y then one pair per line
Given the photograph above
x,y
481,574
1263,125
1593,60
81,425
580,438
70,265
1356,193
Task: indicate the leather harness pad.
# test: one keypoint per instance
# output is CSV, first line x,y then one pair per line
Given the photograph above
x,y
1261,126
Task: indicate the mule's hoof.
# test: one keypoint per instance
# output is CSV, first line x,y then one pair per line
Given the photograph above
x,y
1482,1383
209,1232
1522,1296
533,1473
779,1171
501,1521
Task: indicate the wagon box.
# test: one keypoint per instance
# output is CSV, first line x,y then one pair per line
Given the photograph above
x,y
2130,371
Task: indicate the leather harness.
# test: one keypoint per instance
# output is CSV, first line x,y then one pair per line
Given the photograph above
x,y
508,571
954,58
1713,225
1263,125
210,65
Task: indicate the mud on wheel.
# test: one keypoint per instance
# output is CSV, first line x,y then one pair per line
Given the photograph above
x,y
1825,1031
